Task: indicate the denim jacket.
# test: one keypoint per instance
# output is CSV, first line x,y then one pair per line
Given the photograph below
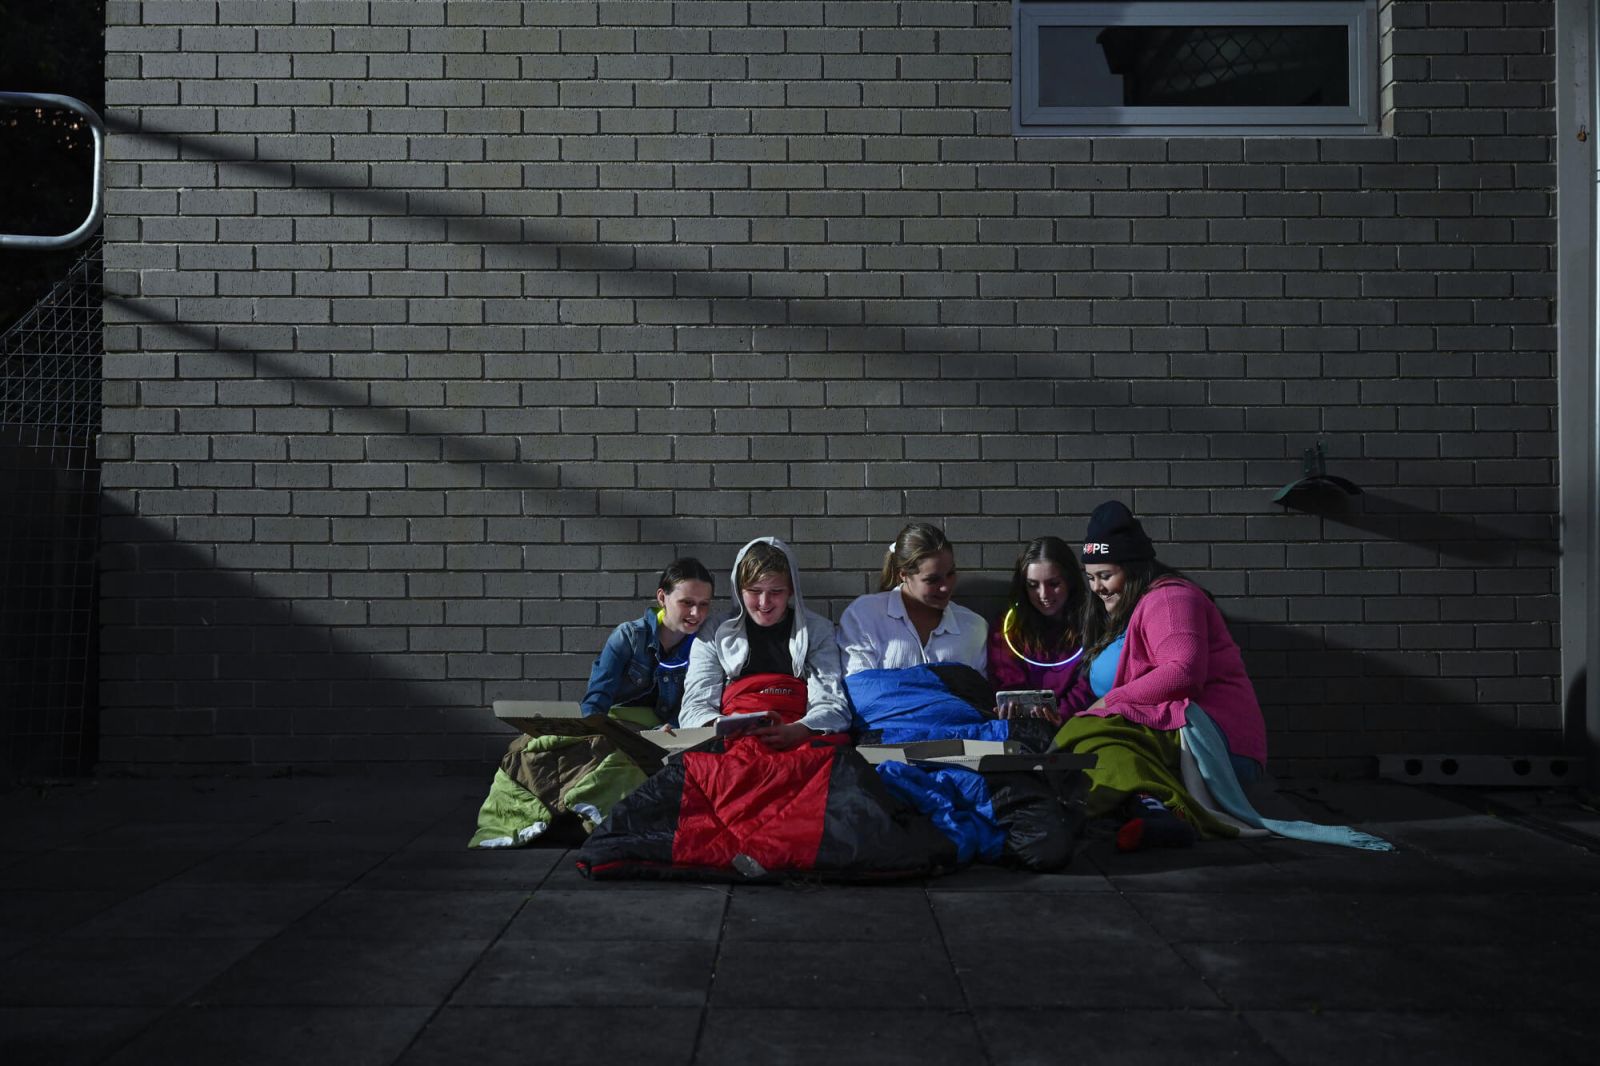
x,y
629,669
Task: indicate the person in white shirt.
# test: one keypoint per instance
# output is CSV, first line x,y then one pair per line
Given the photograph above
x,y
913,620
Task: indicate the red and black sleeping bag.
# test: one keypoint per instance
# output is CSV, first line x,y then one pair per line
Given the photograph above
x,y
737,810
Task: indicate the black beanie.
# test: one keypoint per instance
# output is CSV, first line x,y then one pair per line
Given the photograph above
x,y
1115,536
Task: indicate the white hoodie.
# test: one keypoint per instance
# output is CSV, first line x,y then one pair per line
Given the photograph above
x,y
716,657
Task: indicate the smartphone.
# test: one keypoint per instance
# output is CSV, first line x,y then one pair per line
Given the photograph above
x,y
731,725
1027,702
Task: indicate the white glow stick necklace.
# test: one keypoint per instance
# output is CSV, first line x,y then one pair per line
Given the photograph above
x,y
1005,633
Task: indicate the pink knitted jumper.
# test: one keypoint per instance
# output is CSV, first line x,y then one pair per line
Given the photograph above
x,y
1178,649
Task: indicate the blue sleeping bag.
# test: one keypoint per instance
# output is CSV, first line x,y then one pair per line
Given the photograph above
x,y
958,802
1017,818
913,704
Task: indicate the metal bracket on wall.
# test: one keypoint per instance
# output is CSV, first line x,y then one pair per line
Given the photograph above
x,y
1539,771
97,128
1314,479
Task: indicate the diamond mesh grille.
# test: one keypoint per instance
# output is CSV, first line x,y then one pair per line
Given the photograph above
x,y
1229,66
1206,58
50,373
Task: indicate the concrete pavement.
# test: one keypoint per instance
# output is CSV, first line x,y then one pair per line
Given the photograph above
x,y
342,920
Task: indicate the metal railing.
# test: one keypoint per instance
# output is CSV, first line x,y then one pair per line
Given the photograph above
x,y
97,128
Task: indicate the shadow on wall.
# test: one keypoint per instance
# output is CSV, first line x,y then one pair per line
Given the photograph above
x,y
1409,692
665,272
405,433
407,457
1332,708
422,447
250,676
800,321
809,323
1575,706
1503,540
245,675
1359,704
48,625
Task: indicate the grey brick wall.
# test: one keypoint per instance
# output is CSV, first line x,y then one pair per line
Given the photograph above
x,y
435,328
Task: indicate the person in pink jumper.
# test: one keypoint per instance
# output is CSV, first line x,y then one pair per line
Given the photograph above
x,y
1038,641
1155,646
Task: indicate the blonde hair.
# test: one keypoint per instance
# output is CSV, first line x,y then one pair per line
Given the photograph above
x,y
916,542
759,560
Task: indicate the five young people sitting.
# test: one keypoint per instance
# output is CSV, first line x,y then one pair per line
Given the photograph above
x,y
1128,646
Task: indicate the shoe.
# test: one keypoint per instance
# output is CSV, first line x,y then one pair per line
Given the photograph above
x,y
1153,825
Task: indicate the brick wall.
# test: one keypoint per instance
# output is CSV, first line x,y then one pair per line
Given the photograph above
x,y
436,328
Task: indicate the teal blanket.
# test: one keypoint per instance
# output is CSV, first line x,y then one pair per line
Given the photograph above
x,y
1204,741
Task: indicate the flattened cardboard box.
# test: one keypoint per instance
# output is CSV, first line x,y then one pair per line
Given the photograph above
x,y
981,755
535,718
936,750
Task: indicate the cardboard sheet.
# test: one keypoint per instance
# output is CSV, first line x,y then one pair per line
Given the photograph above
x,y
981,755
526,715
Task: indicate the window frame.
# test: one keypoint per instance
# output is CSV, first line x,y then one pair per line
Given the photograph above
x,y
1358,118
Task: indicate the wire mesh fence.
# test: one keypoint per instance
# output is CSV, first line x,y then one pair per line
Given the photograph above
x,y
50,374
1229,66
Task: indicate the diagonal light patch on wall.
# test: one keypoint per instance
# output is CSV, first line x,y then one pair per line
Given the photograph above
x,y
784,315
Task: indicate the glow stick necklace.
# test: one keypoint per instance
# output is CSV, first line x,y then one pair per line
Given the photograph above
x,y
688,640
1005,632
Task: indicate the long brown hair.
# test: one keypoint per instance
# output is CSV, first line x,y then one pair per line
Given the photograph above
x,y
1101,627
916,542
1032,631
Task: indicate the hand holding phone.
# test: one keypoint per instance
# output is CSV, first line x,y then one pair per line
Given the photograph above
x,y
1027,703
733,725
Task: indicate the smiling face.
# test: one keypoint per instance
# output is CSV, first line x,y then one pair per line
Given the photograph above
x,y
1047,588
685,608
933,582
1106,581
767,599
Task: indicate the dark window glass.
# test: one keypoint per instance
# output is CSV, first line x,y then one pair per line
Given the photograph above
x,y
1193,66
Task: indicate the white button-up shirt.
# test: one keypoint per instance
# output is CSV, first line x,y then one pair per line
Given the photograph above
x,y
875,634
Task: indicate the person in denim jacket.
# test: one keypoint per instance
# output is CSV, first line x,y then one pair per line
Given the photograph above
x,y
643,661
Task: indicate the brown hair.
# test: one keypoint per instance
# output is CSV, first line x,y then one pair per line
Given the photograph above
x,y
916,542
680,570
1036,633
760,559
1101,627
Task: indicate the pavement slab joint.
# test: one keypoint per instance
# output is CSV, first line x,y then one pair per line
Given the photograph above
x,y
325,931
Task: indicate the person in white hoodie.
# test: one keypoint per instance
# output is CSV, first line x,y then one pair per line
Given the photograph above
x,y
770,632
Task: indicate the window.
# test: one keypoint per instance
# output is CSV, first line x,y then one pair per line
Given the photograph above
x,y
1202,68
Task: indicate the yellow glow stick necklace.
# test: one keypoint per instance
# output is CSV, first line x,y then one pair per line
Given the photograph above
x,y
688,642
